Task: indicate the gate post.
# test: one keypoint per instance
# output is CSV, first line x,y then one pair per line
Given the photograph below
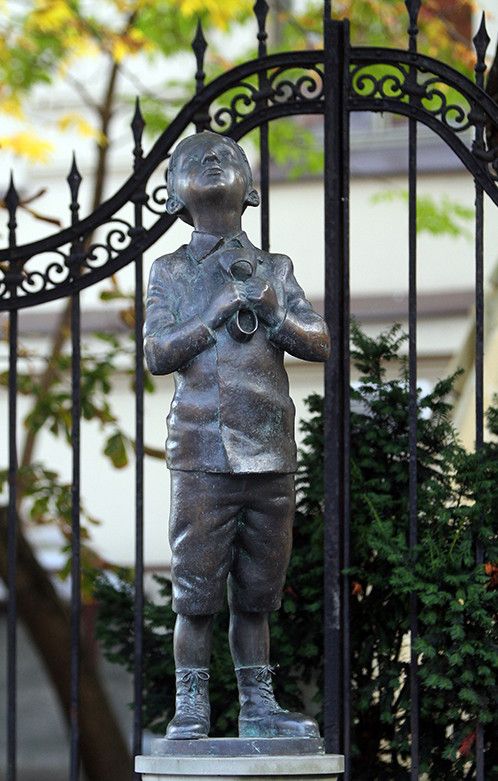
x,y
336,414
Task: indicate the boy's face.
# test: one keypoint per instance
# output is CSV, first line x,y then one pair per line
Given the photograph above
x,y
211,166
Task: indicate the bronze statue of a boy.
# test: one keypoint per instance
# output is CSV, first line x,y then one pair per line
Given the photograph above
x,y
220,315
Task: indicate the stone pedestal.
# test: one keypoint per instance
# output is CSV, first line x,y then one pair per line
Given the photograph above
x,y
231,759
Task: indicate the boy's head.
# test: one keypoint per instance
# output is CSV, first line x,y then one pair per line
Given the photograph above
x,y
208,165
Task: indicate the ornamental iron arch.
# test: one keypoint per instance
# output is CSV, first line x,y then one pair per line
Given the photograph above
x,y
333,82
293,86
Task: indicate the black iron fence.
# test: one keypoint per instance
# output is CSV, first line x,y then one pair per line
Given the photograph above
x,y
332,82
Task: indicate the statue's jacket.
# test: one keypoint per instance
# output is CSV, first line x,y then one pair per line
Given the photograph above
x,y
231,410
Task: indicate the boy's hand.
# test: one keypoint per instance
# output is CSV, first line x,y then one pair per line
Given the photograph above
x,y
225,303
261,295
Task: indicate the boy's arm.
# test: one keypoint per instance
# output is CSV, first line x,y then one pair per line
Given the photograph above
x,y
302,332
168,344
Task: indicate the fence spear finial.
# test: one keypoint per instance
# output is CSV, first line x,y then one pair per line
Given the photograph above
x,y
11,196
74,180
199,46
413,8
261,9
137,125
481,42
12,202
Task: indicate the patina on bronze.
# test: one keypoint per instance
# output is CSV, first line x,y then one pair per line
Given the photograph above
x,y
220,314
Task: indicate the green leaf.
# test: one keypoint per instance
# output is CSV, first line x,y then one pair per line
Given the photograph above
x,y
115,450
438,218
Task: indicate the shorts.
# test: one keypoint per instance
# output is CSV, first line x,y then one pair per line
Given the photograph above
x,y
229,526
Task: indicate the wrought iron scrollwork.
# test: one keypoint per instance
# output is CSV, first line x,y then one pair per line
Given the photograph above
x,y
308,86
284,85
56,273
59,274
366,82
390,81
489,157
293,84
456,116
277,85
440,97
101,252
241,104
156,203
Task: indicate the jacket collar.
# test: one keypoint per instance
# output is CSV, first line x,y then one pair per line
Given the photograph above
x,y
203,244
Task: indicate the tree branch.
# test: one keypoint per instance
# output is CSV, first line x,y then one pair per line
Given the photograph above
x,y
61,332
83,93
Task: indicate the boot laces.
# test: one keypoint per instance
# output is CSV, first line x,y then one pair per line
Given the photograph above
x,y
264,678
192,679
192,697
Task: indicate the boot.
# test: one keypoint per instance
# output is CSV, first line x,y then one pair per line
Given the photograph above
x,y
260,714
191,719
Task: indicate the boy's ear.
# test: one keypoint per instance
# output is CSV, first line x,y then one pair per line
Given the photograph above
x,y
173,205
253,198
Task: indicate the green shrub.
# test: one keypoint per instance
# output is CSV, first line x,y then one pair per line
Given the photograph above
x,y
458,601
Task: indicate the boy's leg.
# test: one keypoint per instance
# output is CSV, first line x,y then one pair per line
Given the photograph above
x,y
202,527
192,650
192,641
260,714
257,579
249,637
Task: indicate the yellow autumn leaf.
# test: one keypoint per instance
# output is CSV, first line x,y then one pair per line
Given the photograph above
x,y
119,49
129,6
11,105
79,47
26,144
132,42
137,35
74,121
50,15
82,46
220,12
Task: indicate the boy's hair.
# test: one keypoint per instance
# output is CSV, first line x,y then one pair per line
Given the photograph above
x,y
175,206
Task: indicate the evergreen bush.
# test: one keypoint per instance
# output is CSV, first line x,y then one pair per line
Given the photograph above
x,y
457,600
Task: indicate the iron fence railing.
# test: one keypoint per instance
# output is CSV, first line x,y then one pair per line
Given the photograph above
x,y
332,82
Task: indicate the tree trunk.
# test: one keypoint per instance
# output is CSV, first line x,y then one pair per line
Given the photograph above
x,y
104,753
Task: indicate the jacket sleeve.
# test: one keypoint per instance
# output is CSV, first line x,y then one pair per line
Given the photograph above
x,y
302,331
168,343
